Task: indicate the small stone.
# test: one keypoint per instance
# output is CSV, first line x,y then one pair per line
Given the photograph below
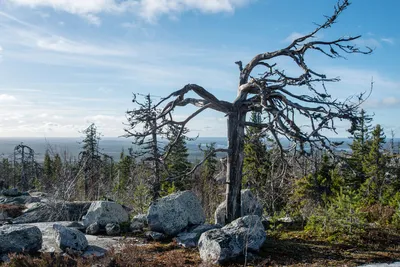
x,y
151,235
113,229
93,229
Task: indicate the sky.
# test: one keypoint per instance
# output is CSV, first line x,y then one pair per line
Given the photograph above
x,y
67,63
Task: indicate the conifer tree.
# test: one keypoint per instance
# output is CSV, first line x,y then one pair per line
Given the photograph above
x,y
90,160
360,130
177,163
374,167
143,118
256,163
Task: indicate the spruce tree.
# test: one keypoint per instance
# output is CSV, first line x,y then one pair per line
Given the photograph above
x,y
176,162
90,160
360,147
374,166
256,162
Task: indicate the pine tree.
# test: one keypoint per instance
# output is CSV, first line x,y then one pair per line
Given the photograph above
x,y
374,166
256,162
177,163
90,160
360,148
144,116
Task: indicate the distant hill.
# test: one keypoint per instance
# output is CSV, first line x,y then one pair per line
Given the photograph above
x,y
114,146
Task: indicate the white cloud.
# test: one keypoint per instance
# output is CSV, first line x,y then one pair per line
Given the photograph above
x,y
293,36
390,101
370,42
148,9
388,40
92,19
7,98
64,45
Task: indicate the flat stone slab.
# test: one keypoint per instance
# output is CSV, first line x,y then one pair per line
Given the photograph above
x,y
98,245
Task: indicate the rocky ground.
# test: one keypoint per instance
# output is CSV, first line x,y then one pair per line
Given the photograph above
x,y
46,232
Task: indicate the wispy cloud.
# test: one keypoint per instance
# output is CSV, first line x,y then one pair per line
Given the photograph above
x,y
7,98
147,9
388,40
293,36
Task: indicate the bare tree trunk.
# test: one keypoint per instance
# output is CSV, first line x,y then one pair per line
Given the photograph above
x,y
234,165
156,154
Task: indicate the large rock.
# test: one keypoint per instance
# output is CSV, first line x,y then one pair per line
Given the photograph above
x,y
191,238
249,206
15,238
13,192
230,242
51,212
173,213
69,238
104,212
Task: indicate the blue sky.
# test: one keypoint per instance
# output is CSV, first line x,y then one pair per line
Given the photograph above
x,y
67,63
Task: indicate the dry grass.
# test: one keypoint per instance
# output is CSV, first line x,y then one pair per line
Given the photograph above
x,y
290,248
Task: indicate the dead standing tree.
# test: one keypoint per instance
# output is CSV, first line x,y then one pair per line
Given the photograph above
x,y
271,93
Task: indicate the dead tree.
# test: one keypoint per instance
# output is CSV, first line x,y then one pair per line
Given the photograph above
x,y
145,116
274,94
24,157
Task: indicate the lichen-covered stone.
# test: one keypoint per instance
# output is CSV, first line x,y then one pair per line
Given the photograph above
x,y
228,243
173,213
104,212
69,238
16,238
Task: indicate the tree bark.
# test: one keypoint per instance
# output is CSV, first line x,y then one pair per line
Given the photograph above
x,y
156,155
234,164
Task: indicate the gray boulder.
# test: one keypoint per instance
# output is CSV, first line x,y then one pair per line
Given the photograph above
x,y
13,192
51,212
155,236
136,226
69,238
249,206
173,213
113,229
230,242
140,218
191,238
104,212
14,238
93,229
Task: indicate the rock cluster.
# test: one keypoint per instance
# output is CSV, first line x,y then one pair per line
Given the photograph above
x,y
249,206
233,240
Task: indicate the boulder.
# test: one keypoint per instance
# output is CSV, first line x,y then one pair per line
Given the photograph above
x,y
249,206
51,212
230,242
14,238
104,212
69,238
93,229
191,238
136,226
13,192
113,229
140,218
173,213
155,236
